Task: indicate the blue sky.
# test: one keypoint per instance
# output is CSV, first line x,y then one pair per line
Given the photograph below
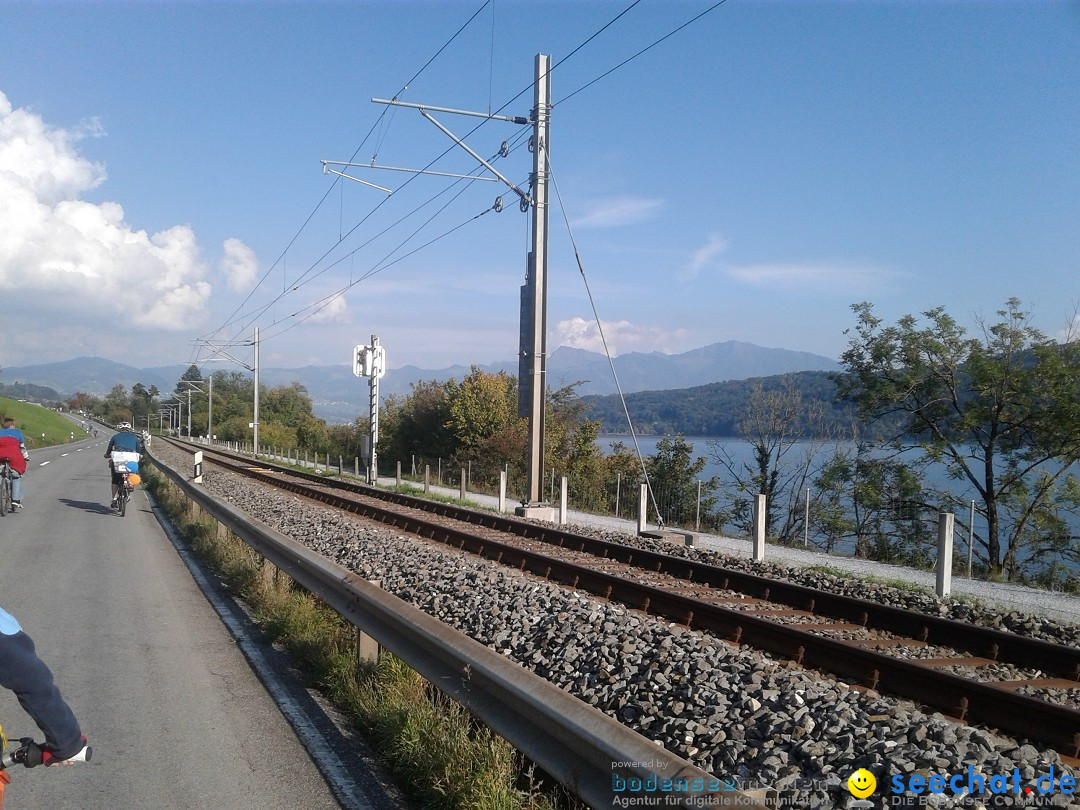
x,y
748,178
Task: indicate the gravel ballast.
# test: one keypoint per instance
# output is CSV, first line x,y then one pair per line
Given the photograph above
x,y
737,713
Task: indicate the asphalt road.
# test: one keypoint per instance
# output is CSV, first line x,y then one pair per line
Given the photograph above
x,y
175,714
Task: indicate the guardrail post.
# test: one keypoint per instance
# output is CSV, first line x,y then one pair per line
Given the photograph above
x,y
461,489
427,478
562,501
759,528
943,585
502,491
643,508
267,573
367,648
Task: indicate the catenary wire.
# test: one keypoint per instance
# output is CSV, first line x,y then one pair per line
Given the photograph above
x,y
603,340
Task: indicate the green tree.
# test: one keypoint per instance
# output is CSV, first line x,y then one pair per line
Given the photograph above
x,y
415,426
787,432
998,411
877,503
673,476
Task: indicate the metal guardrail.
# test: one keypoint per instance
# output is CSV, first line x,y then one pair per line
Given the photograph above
x,y
584,749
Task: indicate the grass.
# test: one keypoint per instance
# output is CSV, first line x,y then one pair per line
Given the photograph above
x,y
441,757
899,584
35,421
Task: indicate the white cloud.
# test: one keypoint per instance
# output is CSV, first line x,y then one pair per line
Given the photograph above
x,y
80,262
616,211
336,310
239,264
703,257
621,336
838,277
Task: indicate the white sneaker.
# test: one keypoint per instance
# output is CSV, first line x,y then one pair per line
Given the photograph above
x,y
16,505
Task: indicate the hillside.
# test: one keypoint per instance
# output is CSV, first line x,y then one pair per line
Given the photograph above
x,y
338,396
711,410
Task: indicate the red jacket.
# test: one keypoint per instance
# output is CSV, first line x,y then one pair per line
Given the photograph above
x,y
9,448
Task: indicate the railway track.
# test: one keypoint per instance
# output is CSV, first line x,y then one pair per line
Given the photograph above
x,y
1024,687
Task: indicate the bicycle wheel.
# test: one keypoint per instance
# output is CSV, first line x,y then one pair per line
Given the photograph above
x,y
121,504
5,495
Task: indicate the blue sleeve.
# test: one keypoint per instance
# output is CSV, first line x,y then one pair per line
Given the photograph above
x,y
30,679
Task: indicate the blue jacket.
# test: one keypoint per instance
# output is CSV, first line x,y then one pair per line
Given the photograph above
x,y
29,678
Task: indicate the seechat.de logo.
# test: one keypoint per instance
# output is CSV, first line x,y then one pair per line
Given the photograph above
x,y
861,783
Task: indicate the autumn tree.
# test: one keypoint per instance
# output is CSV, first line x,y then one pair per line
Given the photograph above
x,y
1000,411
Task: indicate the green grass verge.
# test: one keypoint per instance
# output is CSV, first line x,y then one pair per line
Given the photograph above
x,y
441,757
42,427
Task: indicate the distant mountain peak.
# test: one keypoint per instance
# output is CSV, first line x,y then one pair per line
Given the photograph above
x,y
334,388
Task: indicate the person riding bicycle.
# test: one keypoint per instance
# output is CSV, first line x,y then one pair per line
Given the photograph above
x,y
31,680
125,448
13,447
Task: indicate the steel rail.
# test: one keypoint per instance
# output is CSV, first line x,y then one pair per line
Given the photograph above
x,y
985,642
962,698
577,744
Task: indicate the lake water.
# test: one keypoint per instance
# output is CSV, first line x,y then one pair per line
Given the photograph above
x,y
743,452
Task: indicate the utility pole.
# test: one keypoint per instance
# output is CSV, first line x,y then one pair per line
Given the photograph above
x,y
532,355
535,354
255,423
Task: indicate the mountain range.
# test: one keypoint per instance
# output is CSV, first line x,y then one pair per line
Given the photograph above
x,y
338,396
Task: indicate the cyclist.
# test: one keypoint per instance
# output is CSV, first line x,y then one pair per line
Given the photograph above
x,y
30,679
13,447
124,447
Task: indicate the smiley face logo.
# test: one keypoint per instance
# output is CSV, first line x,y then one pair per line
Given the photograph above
x,y
861,783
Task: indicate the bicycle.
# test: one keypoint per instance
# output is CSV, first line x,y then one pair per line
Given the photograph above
x,y
25,755
128,481
5,486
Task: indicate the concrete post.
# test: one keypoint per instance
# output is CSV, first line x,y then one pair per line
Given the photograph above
x,y
759,528
643,508
461,489
502,491
943,585
399,473
427,478
562,502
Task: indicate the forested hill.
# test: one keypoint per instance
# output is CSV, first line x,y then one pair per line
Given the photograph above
x,y
716,409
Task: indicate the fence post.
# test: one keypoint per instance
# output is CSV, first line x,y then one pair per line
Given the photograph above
x,y
759,528
562,501
502,491
806,522
943,586
697,510
971,536
643,508
618,485
461,488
